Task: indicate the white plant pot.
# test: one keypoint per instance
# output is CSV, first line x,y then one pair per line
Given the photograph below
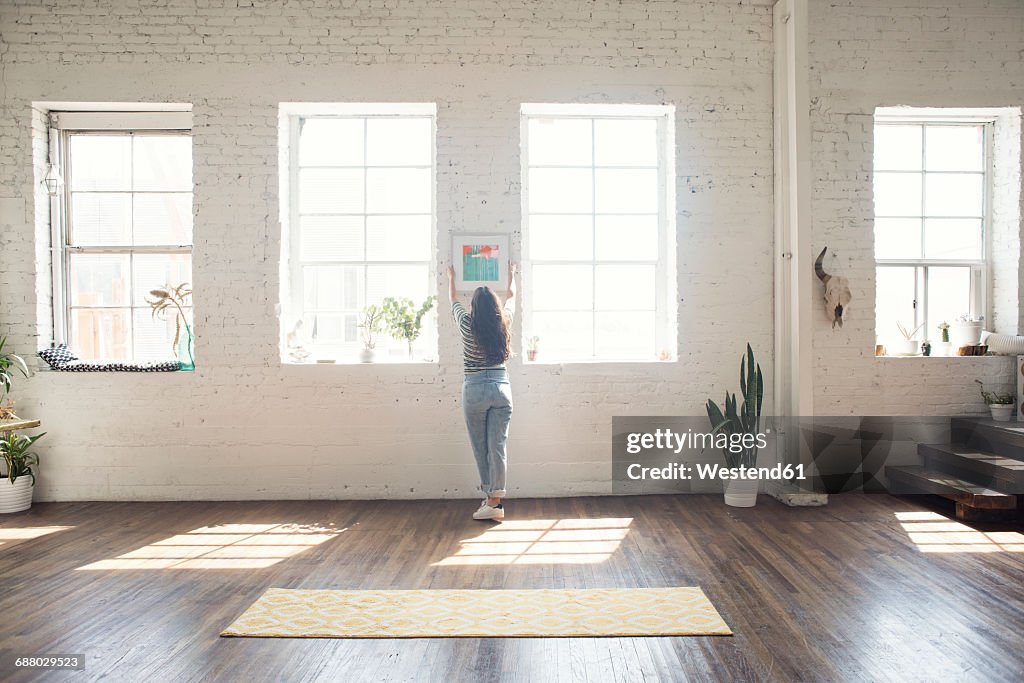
x,y
17,496
965,334
1001,412
741,493
367,356
942,349
902,347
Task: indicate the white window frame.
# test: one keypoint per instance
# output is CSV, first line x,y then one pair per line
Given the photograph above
x,y
292,271
981,269
665,272
64,124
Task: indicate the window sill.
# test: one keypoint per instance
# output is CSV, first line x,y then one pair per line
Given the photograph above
x,y
957,358
601,361
350,363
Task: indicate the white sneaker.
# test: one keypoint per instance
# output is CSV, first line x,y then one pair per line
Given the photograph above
x,y
487,512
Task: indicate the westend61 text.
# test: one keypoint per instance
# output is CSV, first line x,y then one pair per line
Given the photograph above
x,y
704,471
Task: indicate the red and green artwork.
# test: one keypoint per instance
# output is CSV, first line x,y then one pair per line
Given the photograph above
x,y
480,263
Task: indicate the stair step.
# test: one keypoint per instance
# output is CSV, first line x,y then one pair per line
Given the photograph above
x,y
1005,438
981,467
916,479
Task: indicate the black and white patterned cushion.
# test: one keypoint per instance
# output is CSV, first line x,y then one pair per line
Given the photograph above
x,y
61,358
57,356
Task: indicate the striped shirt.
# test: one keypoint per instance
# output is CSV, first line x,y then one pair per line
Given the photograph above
x,y
473,359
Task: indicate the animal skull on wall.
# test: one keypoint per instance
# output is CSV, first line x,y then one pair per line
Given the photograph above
x,y
837,291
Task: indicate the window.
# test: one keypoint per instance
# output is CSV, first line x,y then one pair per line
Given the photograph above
x,y
125,228
360,225
931,179
599,238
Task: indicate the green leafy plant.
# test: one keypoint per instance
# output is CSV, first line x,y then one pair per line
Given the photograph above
x,y
533,343
371,323
18,460
741,418
404,321
995,398
10,363
166,298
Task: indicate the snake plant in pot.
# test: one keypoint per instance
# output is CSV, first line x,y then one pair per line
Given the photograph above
x,y
742,423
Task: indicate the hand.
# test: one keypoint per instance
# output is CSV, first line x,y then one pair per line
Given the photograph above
x,y
451,272
513,269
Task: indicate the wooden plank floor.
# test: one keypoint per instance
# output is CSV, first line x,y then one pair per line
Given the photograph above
x,y
817,594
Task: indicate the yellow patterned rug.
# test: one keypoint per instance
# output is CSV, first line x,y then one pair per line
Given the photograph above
x,y
284,613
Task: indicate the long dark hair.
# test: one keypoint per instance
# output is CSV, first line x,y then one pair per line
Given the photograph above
x,y
490,326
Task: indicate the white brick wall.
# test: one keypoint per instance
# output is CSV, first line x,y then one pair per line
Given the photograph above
x,y
243,426
870,53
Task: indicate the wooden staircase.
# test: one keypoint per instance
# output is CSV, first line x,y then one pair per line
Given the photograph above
x,y
982,471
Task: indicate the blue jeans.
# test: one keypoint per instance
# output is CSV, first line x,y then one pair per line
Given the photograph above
x,y
487,403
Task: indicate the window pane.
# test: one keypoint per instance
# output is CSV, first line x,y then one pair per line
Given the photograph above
x,y
331,142
398,190
954,194
897,194
331,238
894,301
954,148
561,238
162,162
101,162
897,238
162,219
411,282
562,288
331,328
630,288
331,190
625,336
564,336
398,238
99,279
156,271
154,337
101,334
332,288
949,296
101,219
398,141
560,142
627,191
560,190
627,238
625,142
897,148
952,238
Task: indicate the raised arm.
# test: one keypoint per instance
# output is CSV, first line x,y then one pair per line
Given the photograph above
x,y
513,270
452,296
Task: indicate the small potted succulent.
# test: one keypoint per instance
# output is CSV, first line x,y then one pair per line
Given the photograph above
x,y
371,323
18,478
1000,405
532,348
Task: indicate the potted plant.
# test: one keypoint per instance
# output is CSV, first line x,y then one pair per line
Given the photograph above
x,y
9,364
966,331
1000,405
532,347
18,478
371,323
742,419
403,320
164,299
906,346
944,347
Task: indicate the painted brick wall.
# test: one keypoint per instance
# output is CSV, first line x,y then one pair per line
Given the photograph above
x,y
244,426
869,53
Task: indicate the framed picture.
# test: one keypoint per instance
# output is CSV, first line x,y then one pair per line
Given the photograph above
x,y
480,260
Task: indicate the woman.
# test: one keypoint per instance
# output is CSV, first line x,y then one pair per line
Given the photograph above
x,y
486,395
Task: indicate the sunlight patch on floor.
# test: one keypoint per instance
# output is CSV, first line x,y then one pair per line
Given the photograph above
x,y
933,533
225,546
543,541
10,536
